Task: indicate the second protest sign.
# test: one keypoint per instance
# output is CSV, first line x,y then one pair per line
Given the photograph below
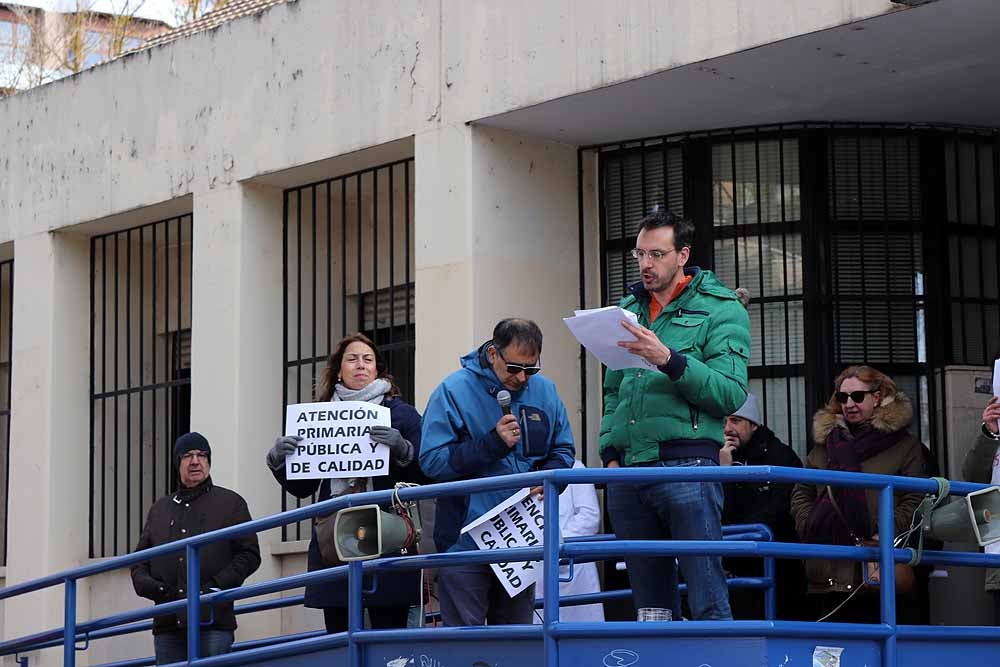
x,y
518,521
336,440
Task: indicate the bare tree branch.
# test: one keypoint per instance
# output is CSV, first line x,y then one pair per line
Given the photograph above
x,y
65,43
190,10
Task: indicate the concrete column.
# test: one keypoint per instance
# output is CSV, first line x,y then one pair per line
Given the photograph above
x,y
496,236
48,520
236,355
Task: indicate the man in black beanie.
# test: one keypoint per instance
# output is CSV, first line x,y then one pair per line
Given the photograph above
x,y
196,507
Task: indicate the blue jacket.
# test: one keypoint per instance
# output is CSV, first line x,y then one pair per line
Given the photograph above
x,y
459,441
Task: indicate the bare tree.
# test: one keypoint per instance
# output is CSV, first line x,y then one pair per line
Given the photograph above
x,y
57,44
191,10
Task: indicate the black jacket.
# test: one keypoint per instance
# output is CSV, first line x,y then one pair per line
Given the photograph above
x,y
225,564
769,504
763,502
390,588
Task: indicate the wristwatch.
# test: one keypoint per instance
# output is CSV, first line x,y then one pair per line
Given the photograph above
x,y
988,433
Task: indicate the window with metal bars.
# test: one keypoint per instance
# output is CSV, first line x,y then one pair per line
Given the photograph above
x,y
874,241
634,179
140,340
348,258
6,338
973,235
757,245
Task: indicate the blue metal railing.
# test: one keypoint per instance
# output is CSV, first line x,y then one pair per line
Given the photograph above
x,y
551,553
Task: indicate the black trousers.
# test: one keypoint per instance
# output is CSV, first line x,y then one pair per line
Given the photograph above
x,y
382,618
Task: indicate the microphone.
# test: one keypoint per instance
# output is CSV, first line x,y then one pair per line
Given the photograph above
x,y
503,398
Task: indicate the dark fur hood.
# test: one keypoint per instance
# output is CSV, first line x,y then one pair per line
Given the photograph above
x,y
895,414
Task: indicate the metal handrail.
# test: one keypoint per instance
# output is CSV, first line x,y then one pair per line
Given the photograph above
x,y
550,553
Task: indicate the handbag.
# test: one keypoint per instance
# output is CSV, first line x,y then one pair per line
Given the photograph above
x,y
869,571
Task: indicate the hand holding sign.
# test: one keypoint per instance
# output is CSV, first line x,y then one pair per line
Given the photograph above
x,y
996,378
283,446
336,440
991,415
518,521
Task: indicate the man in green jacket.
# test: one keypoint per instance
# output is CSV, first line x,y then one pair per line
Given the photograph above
x,y
696,333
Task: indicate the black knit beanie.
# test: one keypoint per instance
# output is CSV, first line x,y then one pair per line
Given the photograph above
x,y
188,442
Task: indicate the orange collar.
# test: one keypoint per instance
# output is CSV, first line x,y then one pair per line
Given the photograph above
x,y
655,308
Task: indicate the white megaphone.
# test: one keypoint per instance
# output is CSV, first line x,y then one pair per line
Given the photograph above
x,y
974,518
367,531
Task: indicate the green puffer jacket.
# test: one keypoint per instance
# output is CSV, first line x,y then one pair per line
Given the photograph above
x,y
678,411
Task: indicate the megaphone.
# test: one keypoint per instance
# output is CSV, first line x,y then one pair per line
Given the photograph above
x,y
974,518
367,531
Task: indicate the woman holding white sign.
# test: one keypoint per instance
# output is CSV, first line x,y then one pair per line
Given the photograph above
x,y
356,371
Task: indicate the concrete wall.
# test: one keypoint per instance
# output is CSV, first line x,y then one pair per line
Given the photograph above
x,y
312,79
216,124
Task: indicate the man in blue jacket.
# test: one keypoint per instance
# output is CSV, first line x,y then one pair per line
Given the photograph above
x,y
467,436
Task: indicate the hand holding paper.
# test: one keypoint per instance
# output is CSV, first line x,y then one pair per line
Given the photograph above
x,y
996,378
599,330
991,415
645,345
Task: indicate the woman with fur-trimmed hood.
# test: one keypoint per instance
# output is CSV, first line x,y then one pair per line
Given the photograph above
x,y
862,428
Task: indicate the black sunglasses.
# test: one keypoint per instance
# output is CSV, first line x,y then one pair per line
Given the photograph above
x,y
856,396
514,369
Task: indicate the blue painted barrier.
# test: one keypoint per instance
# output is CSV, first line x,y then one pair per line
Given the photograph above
x,y
742,541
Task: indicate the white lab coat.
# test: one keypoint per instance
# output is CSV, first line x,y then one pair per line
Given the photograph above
x,y
579,515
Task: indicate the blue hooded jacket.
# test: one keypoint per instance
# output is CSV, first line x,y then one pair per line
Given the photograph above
x,y
459,440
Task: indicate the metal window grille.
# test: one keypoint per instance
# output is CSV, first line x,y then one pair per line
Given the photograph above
x,y
757,244
837,232
973,230
634,179
876,270
348,258
140,339
6,338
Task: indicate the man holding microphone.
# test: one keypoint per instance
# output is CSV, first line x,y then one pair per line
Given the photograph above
x,y
495,416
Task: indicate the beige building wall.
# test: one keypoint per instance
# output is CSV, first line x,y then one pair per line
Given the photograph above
x,y
504,244
217,124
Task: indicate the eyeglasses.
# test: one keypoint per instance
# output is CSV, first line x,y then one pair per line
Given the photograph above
x,y
194,453
514,369
856,396
654,255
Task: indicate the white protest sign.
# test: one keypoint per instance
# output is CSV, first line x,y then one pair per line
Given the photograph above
x,y
336,440
518,521
996,378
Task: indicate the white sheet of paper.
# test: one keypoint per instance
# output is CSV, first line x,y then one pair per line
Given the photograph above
x,y
600,329
519,521
336,440
996,378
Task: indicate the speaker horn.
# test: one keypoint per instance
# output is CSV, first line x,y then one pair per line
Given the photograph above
x,y
974,518
366,532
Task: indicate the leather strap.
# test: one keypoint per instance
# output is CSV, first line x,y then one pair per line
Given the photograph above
x,y
836,508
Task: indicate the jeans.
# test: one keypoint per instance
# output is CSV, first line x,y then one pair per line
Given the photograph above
x,y
172,646
680,511
472,595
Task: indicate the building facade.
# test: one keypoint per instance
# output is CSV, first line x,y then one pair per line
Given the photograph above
x,y
225,206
